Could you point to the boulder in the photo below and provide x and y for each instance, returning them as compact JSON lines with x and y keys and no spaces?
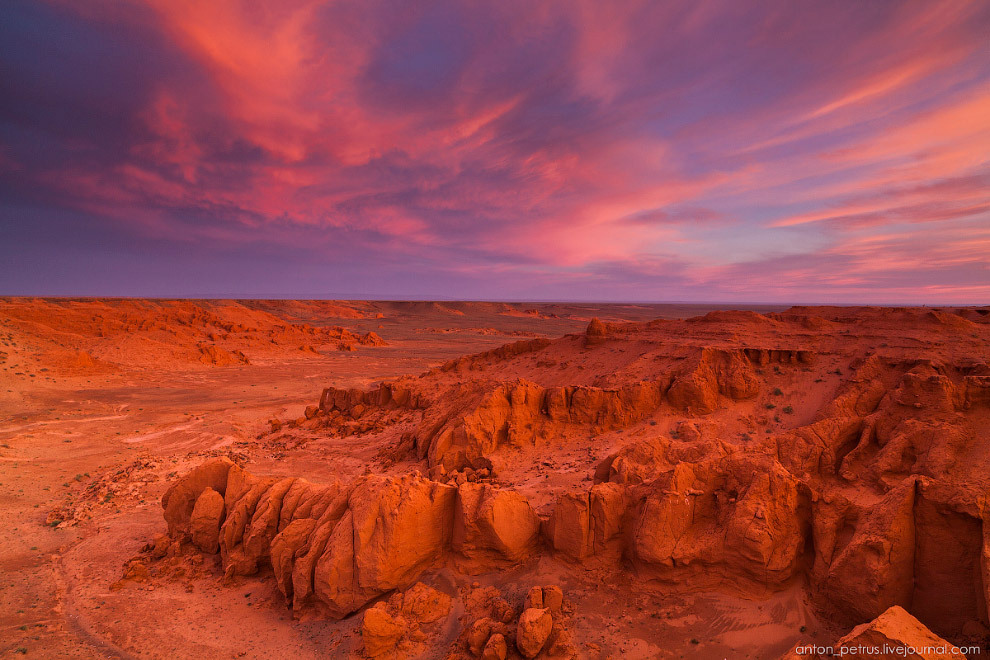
{"x":533,"y":631}
{"x":553,"y":598}
{"x":534,"y":599}
{"x":496,"y":648}
{"x":478,"y":635}
{"x":380,"y":632}
{"x":424,"y":604}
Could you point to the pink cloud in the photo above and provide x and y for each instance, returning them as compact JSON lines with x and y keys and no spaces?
{"x":715,"y":139}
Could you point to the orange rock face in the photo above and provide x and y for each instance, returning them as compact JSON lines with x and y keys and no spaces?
{"x":842,"y":452}
{"x":205,"y":520}
{"x":337,"y":547}
{"x":896,"y":634}
{"x":180,"y":499}
{"x":491,"y":524}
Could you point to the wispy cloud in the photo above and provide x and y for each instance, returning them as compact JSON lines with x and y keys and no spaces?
{"x":631,"y":150}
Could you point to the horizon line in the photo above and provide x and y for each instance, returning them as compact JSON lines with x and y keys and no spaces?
{"x":543,"y":301}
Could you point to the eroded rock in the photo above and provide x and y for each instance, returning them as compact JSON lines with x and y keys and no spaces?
{"x":205,"y":519}
{"x":533,"y":631}
{"x":895,"y":635}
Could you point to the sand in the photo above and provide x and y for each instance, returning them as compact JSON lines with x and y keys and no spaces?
{"x":105,"y":403}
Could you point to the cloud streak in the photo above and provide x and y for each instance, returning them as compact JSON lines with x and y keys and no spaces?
{"x":634,"y":151}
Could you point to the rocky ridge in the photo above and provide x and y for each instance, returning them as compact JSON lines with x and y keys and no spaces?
{"x":844,"y":450}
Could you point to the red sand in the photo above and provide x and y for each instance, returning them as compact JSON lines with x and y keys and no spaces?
{"x":729,"y":485}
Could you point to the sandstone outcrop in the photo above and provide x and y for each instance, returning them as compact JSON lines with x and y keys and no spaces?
{"x":524,"y":414}
{"x":495,"y":648}
{"x":335,"y":547}
{"x":735,"y":452}
{"x":744,"y":518}
{"x":636,"y":463}
{"x":895,"y":634}
{"x":596,"y":333}
{"x":387,"y":395}
{"x":215,"y":355}
{"x":390,"y":533}
{"x":399,"y":626}
{"x":492,"y":524}
{"x":589,"y":524}
{"x":380,"y":632}
{"x":479,"y":360}
{"x":205,"y":521}
{"x":715,"y":372}
{"x":371,"y":339}
{"x":875,"y":568}
{"x":180,"y":498}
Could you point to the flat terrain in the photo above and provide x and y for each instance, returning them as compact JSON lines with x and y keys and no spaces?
{"x":106,"y":403}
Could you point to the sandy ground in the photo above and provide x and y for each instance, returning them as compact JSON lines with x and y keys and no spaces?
{"x":87,"y":451}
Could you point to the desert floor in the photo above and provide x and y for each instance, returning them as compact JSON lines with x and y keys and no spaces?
{"x":104,"y":403}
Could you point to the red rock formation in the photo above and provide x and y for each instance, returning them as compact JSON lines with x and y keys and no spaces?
{"x":635,"y":463}
{"x":589,"y":524}
{"x":874,"y":569}
{"x":596,"y":333}
{"x":391,"y":532}
{"x":894,"y":635}
{"x":525,"y":413}
{"x":220,"y":357}
{"x":533,"y":631}
{"x":715,"y":372}
{"x":470,"y":362}
{"x":492,"y":525}
{"x":783,"y":450}
{"x":371,"y":339}
{"x":339,"y":548}
{"x":397,"y":627}
{"x":738,"y":518}
{"x":205,"y":520}
{"x":180,"y":498}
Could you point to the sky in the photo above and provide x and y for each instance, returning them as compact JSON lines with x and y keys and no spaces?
{"x":715,"y":150}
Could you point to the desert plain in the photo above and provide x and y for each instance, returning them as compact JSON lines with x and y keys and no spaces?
{"x":324,"y":479}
